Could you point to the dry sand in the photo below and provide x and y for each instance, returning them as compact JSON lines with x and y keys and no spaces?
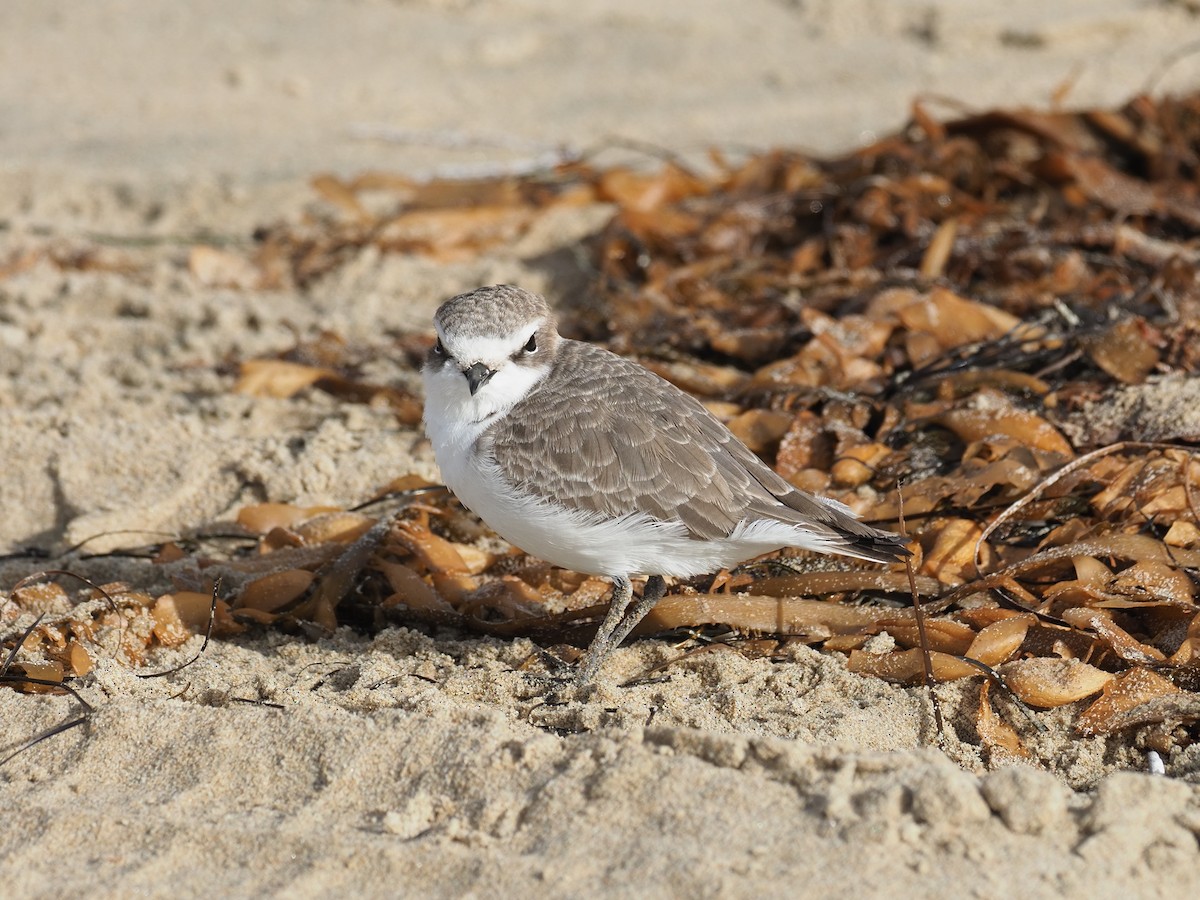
{"x":417,"y":764}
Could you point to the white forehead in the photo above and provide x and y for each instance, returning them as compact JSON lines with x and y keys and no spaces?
{"x":474,"y":347}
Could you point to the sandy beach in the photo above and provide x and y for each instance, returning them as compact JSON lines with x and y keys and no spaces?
{"x":427,"y":762}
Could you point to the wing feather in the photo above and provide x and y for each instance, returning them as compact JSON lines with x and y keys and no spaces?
{"x":605,"y":435}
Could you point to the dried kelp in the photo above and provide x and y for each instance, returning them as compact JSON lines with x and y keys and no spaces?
{"x":978,"y":309}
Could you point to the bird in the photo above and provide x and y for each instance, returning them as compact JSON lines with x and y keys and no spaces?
{"x":593,"y":463}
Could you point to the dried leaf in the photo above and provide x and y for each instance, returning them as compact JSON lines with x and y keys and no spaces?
{"x":273,"y":592}
{"x":858,"y":465}
{"x":1182,"y":534}
{"x":409,"y":589}
{"x":341,"y":195}
{"x":1155,"y":582}
{"x":192,"y":609}
{"x":1028,"y":429}
{"x":701,"y":379}
{"x":220,"y":268}
{"x":277,"y":378}
{"x":994,"y":733}
{"x":760,"y":429}
{"x":450,"y":235}
{"x":941,"y":634}
{"x":44,"y":598}
{"x":1123,"y":644}
{"x":79,"y":660}
{"x":262,"y":518}
{"x":333,"y":527}
{"x":1136,"y":698}
{"x":435,"y":553}
{"x":1048,"y":683}
{"x":1124,"y":351}
{"x":51,"y":671}
{"x":169,"y":627}
{"x":937,"y":254}
{"x":908,"y":666}
{"x":951,"y":559}
{"x":997,"y":642}
{"x":648,"y":192}
{"x":951,"y":320}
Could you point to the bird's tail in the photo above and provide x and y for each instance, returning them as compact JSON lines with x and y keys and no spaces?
{"x":849,"y":536}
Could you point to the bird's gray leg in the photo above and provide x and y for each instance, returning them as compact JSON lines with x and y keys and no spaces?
{"x":653,"y":592}
{"x":602,"y":644}
{"x":618,"y":623}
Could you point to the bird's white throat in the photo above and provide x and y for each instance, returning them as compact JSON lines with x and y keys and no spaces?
{"x":455,"y":418}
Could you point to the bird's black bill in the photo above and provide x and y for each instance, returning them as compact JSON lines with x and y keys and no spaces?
{"x":477,"y":376}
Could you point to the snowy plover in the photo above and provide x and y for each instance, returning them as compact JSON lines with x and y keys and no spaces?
{"x":593,"y":463}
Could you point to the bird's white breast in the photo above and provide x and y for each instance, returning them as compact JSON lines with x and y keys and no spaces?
{"x":455,"y":419}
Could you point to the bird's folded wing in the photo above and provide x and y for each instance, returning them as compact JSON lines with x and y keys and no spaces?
{"x":604,"y":435}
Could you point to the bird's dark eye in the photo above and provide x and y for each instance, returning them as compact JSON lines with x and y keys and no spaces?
{"x":438,"y":348}
{"x":531,"y":344}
